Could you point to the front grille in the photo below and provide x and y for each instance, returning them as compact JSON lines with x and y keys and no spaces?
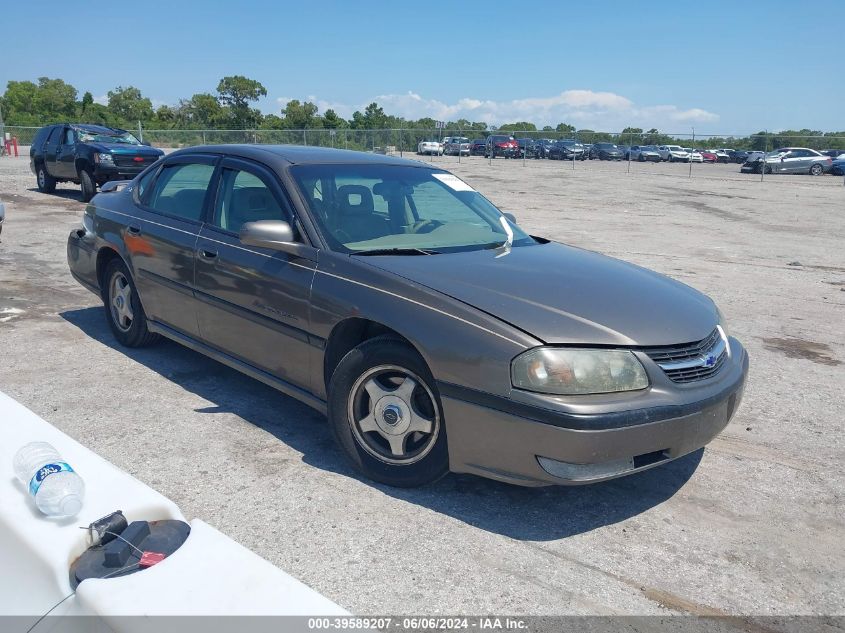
{"x":129,"y":161}
{"x":691,"y":361}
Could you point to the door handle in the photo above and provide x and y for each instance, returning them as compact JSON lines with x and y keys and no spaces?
{"x":206,"y":254}
{"x":134,"y":230}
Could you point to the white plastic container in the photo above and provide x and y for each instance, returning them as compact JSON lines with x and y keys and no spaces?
{"x":57,"y":489}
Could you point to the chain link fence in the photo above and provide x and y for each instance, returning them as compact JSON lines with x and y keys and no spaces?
{"x":406,"y":141}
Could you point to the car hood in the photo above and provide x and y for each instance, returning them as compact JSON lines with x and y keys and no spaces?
{"x":122,"y":148}
{"x":561,"y":294}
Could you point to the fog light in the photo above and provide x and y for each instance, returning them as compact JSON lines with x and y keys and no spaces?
{"x":586,"y":472}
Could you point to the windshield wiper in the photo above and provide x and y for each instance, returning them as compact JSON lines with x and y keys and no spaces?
{"x":398,"y":251}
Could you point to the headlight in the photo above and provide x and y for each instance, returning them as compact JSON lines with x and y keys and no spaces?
{"x":87,"y":223}
{"x":104,"y":158}
{"x":723,"y":329}
{"x":569,"y":371}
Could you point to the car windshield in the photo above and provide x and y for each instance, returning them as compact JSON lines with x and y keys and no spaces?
{"x":605,"y":145}
{"x":124,"y":138}
{"x":384,"y":208}
{"x":675,"y":148}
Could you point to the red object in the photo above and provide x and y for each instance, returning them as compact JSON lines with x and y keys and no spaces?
{"x":710,"y":157}
{"x":138,"y":159}
{"x":148,"y":559}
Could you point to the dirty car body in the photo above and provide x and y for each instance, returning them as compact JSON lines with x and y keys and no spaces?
{"x":434,"y":332}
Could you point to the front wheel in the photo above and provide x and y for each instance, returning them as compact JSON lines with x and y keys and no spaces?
{"x":46,"y":183}
{"x":89,"y":187}
{"x":386,"y":414}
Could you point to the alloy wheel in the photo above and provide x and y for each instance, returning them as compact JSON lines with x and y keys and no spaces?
{"x":393,"y":414}
{"x":120,"y":302}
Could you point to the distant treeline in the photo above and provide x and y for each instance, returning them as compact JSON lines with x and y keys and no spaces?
{"x":229,"y":112}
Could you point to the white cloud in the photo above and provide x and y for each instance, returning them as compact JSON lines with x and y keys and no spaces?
{"x":584,"y":108}
{"x":102,"y":99}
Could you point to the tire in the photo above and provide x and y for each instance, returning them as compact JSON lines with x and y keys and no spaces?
{"x":641,"y":158}
{"x":816,"y":170}
{"x":46,"y":183}
{"x":382,"y":367}
{"x":86,"y":181}
{"x":128,"y":326}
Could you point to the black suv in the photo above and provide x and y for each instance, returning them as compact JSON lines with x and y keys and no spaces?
{"x":89,"y":155}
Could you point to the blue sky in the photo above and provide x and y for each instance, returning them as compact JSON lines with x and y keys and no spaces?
{"x":723,"y":67}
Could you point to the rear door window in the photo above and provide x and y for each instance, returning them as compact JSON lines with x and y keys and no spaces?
{"x":180,"y":190}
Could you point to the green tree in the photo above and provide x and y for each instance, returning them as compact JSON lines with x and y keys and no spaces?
{"x":519,"y":126}
{"x":332,"y":121}
{"x":373,"y":118}
{"x":28,"y":103}
{"x":237,"y":92}
{"x":565,"y":128}
{"x":300,"y":116}
{"x":129,"y":105}
{"x":203,"y":110}
{"x":87,"y":102}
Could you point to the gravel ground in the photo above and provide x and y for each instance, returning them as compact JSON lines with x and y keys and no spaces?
{"x":751,"y":525}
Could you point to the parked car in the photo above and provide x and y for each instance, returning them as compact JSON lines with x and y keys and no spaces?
{"x":707,"y":156}
{"x":392,"y":297}
{"x":834,"y":153}
{"x":837,"y":167}
{"x":457,"y":145}
{"x":673,"y":153}
{"x":694,"y":155}
{"x":88,"y":155}
{"x":478,"y":147}
{"x":722,"y":156}
{"x":790,"y":160}
{"x":430,"y":148}
{"x":567,"y":150}
{"x":643,"y":153}
{"x":606,"y":151}
{"x":542,"y":147}
{"x":526,"y":147}
{"x":501,"y":145}
{"x":740,"y":156}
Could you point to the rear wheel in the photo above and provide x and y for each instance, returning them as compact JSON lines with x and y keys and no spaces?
{"x":46,"y":183}
{"x":125,"y":314}
{"x":816,"y":170}
{"x":386,"y":414}
{"x":89,"y":187}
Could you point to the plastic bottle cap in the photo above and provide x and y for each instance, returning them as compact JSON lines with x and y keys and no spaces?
{"x":71,"y":505}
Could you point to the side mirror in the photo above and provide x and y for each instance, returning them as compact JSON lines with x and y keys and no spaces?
{"x":147,"y":143}
{"x":273,"y":234}
{"x":511,"y":217}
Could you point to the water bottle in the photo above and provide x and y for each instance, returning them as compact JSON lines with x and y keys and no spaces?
{"x":57,"y":489}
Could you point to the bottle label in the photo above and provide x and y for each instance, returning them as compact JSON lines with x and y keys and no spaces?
{"x":45,"y":471}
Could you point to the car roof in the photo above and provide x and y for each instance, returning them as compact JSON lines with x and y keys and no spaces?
{"x":280,"y":155}
{"x":96,"y":129}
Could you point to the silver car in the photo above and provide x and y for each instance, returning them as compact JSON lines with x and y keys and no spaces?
{"x":795,"y":160}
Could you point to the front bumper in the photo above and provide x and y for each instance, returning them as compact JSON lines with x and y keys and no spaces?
{"x":538,"y":447}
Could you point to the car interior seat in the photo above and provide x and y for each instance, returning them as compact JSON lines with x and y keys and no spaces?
{"x":356,"y":219}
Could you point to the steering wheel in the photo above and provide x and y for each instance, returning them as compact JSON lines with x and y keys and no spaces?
{"x":429,"y":225}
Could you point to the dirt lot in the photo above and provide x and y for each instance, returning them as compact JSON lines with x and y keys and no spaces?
{"x":754,"y":525}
